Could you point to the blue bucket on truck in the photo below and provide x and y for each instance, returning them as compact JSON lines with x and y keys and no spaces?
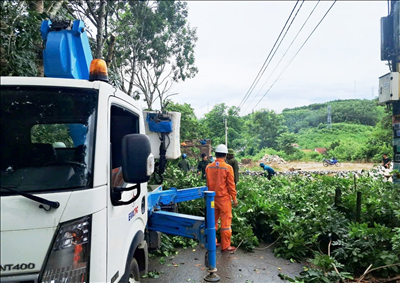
{"x":157,"y":125}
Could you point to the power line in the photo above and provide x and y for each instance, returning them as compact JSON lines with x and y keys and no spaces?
{"x":296,"y":53}
{"x":285,"y":53}
{"x":276,"y":49}
{"x":259,"y":72}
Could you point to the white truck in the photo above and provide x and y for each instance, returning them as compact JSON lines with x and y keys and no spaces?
{"x":75,"y":161}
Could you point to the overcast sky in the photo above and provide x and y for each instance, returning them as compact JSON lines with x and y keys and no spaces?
{"x":341,"y":60}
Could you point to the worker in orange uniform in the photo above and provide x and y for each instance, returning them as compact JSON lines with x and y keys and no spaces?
{"x":221,"y":180}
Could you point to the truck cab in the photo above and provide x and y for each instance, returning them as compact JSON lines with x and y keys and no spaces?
{"x":67,"y":215}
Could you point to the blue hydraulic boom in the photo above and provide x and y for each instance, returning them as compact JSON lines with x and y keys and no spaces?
{"x":67,"y":55}
{"x":195,"y":227}
{"x":67,"y":51}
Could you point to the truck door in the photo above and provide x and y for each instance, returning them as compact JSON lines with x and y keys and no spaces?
{"x":125,"y":222}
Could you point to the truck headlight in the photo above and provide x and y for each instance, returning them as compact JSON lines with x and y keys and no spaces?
{"x":68,"y":260}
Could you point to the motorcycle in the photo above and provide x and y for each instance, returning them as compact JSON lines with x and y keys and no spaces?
{"x":332,"y":162}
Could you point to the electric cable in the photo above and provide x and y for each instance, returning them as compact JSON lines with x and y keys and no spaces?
{"x":284,"y":53}
{"x":276,"y":49}
{"x":296,"y":53}
{"x":252,"y":85}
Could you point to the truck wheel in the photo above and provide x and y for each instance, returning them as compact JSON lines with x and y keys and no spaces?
{"x":134,"y":273}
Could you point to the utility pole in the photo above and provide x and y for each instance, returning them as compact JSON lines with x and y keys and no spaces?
{"x":389,"y":84}
{"x":226,"y":131}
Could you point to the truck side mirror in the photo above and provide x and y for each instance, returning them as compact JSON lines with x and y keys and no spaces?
{"x":137,"y":159}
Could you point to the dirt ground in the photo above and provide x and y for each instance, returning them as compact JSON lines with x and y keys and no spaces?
{"x":312,"y":166}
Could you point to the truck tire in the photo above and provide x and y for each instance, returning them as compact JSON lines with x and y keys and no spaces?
{"x":134,"y":273}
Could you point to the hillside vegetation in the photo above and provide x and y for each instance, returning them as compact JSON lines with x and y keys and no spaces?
{"x":360,"y":131}
{"x":352,"y":111}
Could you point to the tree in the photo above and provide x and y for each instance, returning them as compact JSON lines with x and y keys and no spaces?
{"x":235,"y":128}
{"x":285,"y":142}
{"x":98,"y":12}
{"x":169,"y":57}
{"x":214,"y":122}
{"x":20,"y":40}
{"x":149,"y":42}
{"x":381,"y":140}
{"x":266,"y":126}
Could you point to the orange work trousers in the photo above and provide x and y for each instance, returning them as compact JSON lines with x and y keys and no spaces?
{"x":223,"y":211}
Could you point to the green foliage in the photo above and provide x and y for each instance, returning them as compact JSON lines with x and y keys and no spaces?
{"x":298,"y":214}
{"x":313,"y":275}
{"x":175,"y":178}
{"x":169,"y":244}
{"x":161,"y":48}
{"x":355,"y":135}
{"x":396,"y":240}
{"x":381,"y":140}
{"x":264,"y":126}
{"x":334,"y":137}
{"x":50,"y":133}
{"x":214,"y":122}
{"x":361,"y":131}
{"x":161,"y":41}
{"x":20,"y":39}
{"x":351,"y":111}
{"x":285,"y":142}
{"x":362,"y":243}
{"x":152,"y":274}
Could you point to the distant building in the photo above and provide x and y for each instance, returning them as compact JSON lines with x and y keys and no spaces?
{"x":204,"y":145}
{"x":320,"y":150}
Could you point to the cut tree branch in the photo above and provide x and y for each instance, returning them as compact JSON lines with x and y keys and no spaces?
{"x":92,"y":12}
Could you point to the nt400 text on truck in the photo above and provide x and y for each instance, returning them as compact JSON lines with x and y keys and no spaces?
{"x":75,"y":161}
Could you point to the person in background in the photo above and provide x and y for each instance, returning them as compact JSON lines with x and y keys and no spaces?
{"x":184,"y":164}
{"x":211,"y":158}
{"x":271,"y":172}
{"x":201,"y":167}
{"x":230,"y":159}
{"x":386,"y":161}
{"x":221,"y":180}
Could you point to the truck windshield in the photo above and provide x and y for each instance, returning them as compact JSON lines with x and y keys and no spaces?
{"x":47,"y":138}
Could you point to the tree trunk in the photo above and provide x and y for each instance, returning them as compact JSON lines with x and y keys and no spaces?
{"x":100,"y":28}
{"x":36,"y":5}
{"x":55,"y":8}
{"x":132,"y":77}
{"x":111,"y":46}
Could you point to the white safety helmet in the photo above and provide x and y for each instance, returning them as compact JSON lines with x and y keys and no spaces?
{"x":221,"y":149}
{"x":59,"y":145}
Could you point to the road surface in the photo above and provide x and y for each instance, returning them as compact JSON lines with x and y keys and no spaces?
{"x":242,"y":267}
